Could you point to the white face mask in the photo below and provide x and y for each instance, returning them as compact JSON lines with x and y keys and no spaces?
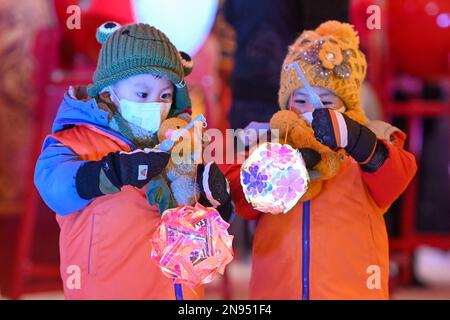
{"x":308,"y":116}
{"x":147,"y":115}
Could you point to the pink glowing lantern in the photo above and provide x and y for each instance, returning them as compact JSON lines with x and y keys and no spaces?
{"x":192,"y":245}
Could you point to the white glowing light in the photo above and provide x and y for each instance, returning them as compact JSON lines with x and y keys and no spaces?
{"x":186,"y":23}
{"x":443,"y":20}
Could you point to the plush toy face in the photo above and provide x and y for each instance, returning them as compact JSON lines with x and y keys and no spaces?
{"x":169,"y":127}
{"x":179,"y":171}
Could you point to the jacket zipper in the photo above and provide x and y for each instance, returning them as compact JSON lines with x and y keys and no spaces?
{"x":305,"y":249}
{"x":178,"y":291}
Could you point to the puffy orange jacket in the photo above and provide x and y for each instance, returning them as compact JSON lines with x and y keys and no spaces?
{"x":108,"y":241}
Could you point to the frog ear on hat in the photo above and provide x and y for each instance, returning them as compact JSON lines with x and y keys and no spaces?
{"x":187,"y":62}
{"x":105,"y":30}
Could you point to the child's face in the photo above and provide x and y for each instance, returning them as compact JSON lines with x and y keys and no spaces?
{"x":146,"y":88}
{"x":301,"y":102}
{"x":141,"y":90}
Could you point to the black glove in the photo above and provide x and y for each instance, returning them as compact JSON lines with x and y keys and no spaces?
{"x":338,"y":131}
{"x":214,"y":189}
{"x":311,"y":157}
{"x":117,"y":169}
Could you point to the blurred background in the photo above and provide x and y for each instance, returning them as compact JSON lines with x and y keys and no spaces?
{"x":238,"y":47}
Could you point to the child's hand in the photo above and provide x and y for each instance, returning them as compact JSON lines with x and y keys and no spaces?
{"x":311,"y":158}
{"x":138,"y":167}
{"x":338,"y":131}
{"x":118,"y":169}
{"x":214,"y":189}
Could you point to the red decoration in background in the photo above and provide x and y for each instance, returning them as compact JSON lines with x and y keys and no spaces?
{"x":419,"y":36}
{"x":92,"y":16}
{"x":418,"y":33}
{"x":359,"y":16}
{"x":414,"y":39}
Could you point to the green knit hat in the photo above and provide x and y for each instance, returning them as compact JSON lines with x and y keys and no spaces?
{"x":139,"y":49}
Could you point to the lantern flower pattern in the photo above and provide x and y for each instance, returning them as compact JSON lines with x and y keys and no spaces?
{"x":274,"y":178}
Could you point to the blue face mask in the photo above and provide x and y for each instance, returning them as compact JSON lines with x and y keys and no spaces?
{"x":147,"y":115}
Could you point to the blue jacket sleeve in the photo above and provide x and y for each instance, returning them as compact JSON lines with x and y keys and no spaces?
{"x":54,"y":177}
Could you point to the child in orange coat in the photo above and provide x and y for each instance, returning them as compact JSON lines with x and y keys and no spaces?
{"x":100,"y":173}
{"x":333,"y":244}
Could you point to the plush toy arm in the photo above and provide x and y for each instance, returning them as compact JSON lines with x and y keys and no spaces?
{"x":183,"y":190}
{"x":287,"y":120}
{"x":386,"y":131}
